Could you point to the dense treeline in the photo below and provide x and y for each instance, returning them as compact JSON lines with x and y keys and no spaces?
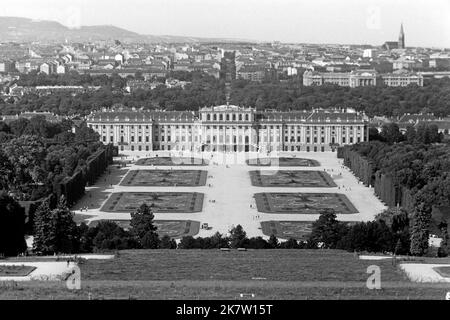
{"x":36,"y":155}
{"x":12,"y":226}
{"x":377,"y":100}
{"x":55,"y":232}
{"x":205,"y":90}
{"x":411,"y":173}
{"x":72,"y":78}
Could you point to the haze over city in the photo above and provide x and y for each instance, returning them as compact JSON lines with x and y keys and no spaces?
{"x":324,"y":21}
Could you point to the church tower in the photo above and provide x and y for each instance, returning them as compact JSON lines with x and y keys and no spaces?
{"x":401,"y":38}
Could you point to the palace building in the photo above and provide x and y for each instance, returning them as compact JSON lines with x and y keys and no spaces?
{"x":228,"y":128}
{"x":356,"y":78}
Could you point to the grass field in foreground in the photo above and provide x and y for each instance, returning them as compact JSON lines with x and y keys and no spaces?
{"x":443,"y":271}
{"x":15,"y":271}
{"x":213,"y":274}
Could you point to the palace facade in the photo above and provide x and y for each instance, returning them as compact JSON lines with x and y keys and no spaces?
{"x":229,"y":128}
{"x":356,"y":78}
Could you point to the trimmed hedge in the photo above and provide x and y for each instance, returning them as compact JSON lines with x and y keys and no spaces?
{"x":73,"y":187}
{"x":384,"y":185}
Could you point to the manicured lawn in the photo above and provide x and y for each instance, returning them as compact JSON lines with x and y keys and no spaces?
{"x":158,"y":201}
{"x":173,"y":228}
{"x":214,"y":274}
{"x":303,"y":203}
{"x":299,"y":230}
{"x":165,"y":178}
{"x":171,"y":161}
{"x":291,"y":178}
{"x":443,"y":271}
{"x":15,"y":270}
{"x":283,"y":162}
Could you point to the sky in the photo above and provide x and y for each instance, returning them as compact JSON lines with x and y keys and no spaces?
{"x":426,"y":22}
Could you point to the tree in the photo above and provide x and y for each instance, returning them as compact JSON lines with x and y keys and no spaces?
{"x":327,"y":229}
{"x":374,"y":134}
{"x":444,"y":247}
{"x":18,"y":126}
{"x":150,"y":240}
{"x":12,"y":226}
{"x":66,"y":232}
{"x":256,"y":243}
{"x":410,"y":134}
{"x":55,"y":231}
{"x":44,"y":235}
{"x":142,"y":226}
{"x":25,"y":153}
{"x":187,"y":242}
{"x":420,"y":230}
{"x":238,"y":237}
{"x":167,"y":243}
{"x":219,"y":241}
{"x":391,"y":133}
{"x":110,"y":236}
{"x":273,"y":242}
{"x":291,"y":243}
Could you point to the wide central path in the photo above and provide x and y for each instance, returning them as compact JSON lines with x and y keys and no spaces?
{"x":228,"y":193}
{"x":231,"y":195}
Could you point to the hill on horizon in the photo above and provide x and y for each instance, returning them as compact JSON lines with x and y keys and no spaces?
{"x":18,"y":29}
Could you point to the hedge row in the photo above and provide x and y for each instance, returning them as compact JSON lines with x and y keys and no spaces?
{"x":361,"y":166}
{"x":73,"y":187}
{"x":384,"y":185}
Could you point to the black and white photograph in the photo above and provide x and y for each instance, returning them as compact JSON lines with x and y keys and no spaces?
{"x":241,"y":152}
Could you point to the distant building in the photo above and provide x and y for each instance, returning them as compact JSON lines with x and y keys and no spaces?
{"x":133,"y":85}
{"x":7,"y":66}
{"x":356,"y":78}
{"x":400,"y":44}
{"x":61,"y":69}
{"x":401,"y":38}
{"x":48,"y":68}
{"x":439,"y":63}
{"x":229,"y":128}
{"x":402,"y":79}
{"x":228,"y":66}
{"x":51,"y":117}
{"x":368,"y":53}
{"x":406,"y":120}
{"x":435,"y":74}
{"x":251,"y":73}
{"x":403,"y":63}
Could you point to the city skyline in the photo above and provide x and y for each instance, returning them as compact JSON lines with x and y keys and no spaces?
{"x":341,"y":22}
